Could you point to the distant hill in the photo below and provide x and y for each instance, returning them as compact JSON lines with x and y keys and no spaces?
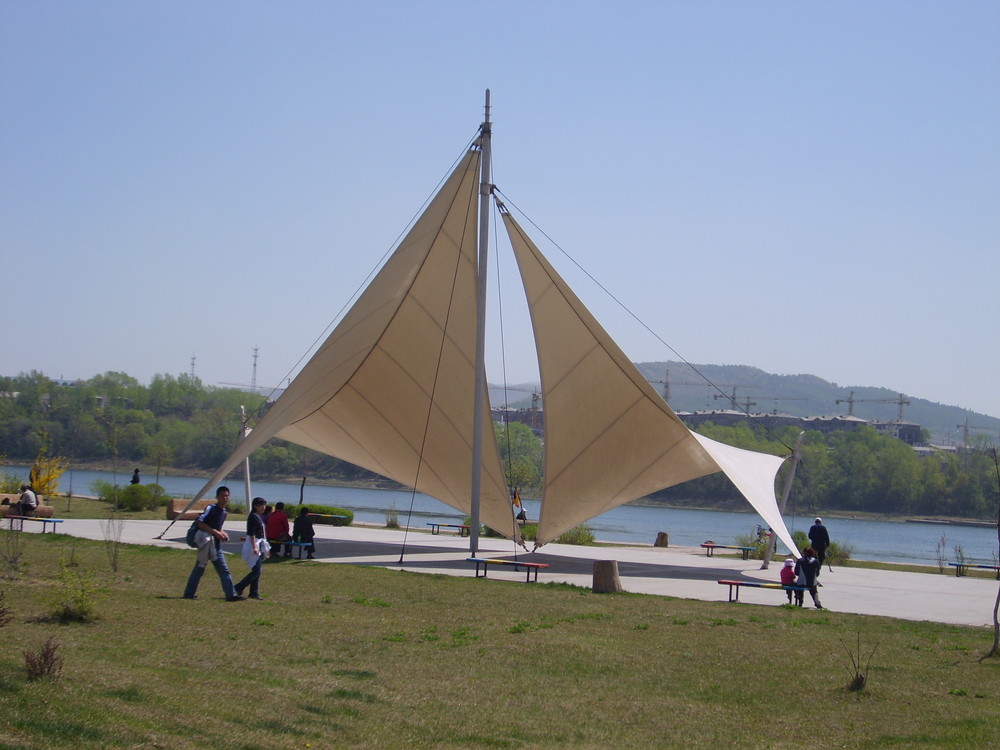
{"x":798,"y":395}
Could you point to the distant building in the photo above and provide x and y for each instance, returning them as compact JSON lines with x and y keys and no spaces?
{"x":908,"y":432}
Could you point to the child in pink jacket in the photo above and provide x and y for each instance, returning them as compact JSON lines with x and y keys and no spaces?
{"x":788,"y":576}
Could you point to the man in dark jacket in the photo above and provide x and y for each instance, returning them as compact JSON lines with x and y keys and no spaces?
{"x":209,"y":541}
{"x":303,"y":531}
{"x":807,"y":571}
{"x":820,"y":539}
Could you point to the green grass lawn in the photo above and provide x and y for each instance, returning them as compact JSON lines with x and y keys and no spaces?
{"x":356,"y":657}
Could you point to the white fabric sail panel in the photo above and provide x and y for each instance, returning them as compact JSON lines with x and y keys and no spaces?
{"x":609,"y":437}
{"x":392,"y":387}
{"x":753,"y":474}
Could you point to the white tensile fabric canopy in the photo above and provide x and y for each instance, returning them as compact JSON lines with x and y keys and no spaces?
{"x":392,"y":389}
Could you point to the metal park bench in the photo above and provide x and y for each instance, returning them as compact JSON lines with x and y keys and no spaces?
{"x":463,"y":530}
{"x":44,"y":521}
{"x":532,"y":568}
{"x":710,"y":548}
{"x":734,"y":586}
{"x":961,"y":568}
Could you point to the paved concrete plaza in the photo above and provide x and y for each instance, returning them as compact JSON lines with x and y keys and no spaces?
{"x":672,"y":571}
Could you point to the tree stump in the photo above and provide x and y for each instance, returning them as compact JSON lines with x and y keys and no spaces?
{"x":662,"y":539}
{"x":606,"y":580}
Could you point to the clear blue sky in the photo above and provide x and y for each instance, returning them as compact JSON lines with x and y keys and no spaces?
{"x":801,"y":187}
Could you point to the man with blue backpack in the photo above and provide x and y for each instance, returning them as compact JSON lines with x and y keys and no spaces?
{"x":208,"y":540}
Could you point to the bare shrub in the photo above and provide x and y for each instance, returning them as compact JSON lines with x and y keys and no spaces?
{"x":45,"y":662}
{"x":13,"y":548}
{"x":859,"y":673}
{"x":113,"y":527}
{"x":939,"y":549}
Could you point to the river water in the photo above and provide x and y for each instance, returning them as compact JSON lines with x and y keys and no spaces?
{"x":889,"y":541}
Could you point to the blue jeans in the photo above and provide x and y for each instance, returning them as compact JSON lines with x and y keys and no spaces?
{"x":220,"y":567}
{"x":252,"y":579}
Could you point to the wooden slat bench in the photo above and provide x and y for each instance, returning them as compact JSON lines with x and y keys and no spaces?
{"x":463,"y":530}
{"x":531,"y":567}
{"x":43,"y":521}
{"x":735,"y":586}
{"x":710,"y":548}
{"x":962,"y":568}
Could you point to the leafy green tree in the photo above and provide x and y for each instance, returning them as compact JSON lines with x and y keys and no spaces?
{"x":521,"y":455}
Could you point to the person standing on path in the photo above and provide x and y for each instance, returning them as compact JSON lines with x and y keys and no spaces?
{"x":255,"y":538}
{"x":209,"y":541}
{"x":806,"y":569}
{"x":820,"y":539}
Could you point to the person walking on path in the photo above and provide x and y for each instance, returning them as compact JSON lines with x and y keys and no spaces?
{"x":820,"y":539}
{"x":277,"y":527}
{"x":806,"y":569}
{"x":256,"y":543}
{"x":209,"y":541}
{"x":302,"y":530}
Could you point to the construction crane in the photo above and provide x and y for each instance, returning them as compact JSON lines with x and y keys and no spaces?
{"x":781,"y":398}
{"x":966,"y":427}
{"x":536,"y":400}
{"x":732,"y":398}
{"x":851,"y":401}
{"x":666,"y":384}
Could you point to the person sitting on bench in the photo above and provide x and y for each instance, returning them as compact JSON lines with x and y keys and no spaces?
{"x":788,"y":576}
{"x":303,"y":530}
{"x":277,"y":528}
{"x":28,"y":502}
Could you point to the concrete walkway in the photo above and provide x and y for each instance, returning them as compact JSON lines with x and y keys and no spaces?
{"x":675,"y":571}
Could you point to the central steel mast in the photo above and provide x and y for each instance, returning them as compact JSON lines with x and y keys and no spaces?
{"x":485,"y":188}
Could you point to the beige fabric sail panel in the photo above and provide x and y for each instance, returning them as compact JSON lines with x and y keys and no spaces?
{"x":609,"y":438}
{"x":392,"y":387}
{"x":753,"y":474}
